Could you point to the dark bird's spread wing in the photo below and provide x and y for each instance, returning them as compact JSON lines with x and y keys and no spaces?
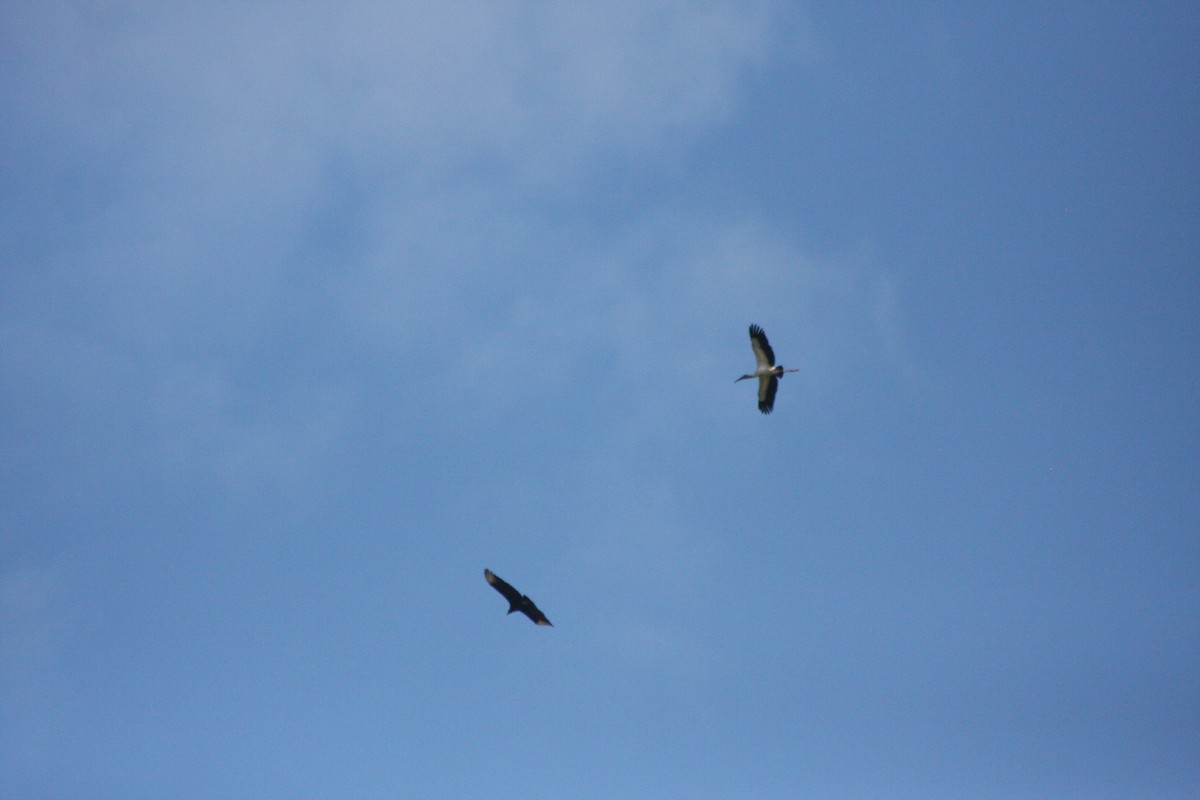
{"x":767,"y":387}
{"x":762,"y":348}
{"x":500,"y":585}
{"x":516,"y":600}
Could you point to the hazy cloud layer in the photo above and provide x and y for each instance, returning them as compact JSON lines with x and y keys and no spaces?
{"x":254,"y":174}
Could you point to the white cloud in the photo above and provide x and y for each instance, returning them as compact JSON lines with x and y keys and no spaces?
{"x":187,"y":148}
{"x":254,"y":97}
{"x":200,"y":157}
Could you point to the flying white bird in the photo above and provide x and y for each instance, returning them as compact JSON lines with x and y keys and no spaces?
{"x":767,"y":373}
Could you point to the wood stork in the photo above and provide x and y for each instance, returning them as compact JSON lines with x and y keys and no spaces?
{"x":767,"y":373}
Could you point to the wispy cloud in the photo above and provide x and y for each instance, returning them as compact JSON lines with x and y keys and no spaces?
{"x":194,"y":159}
{"x":251,"y":196}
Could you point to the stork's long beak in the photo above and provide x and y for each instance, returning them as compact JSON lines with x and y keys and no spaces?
{"x":744,"y":377}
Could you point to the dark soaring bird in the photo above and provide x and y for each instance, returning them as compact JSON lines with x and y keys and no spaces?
{"x":516,"y":600}
{"x":767,"y":373}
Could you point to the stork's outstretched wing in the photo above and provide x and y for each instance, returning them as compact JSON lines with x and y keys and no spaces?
{"x":763,"y":353}
{"x":767,"y":387}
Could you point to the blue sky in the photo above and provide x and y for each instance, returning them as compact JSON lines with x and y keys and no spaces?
{"x":310,"y":313}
